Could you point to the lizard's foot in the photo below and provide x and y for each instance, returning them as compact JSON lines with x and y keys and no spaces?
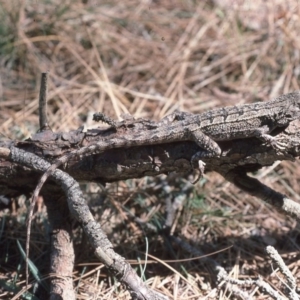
{"x":100,"y":117}
{"x":280,"y":146}
{"x":199,"y":165}
{"x":276,"y":143}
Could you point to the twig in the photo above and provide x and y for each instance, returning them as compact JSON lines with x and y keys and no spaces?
{"x":43,"y":103}
{"x":43,"y":126}
{"x":291,"y":281}
{"x":255,"y":188}
{"x":258,"y":282}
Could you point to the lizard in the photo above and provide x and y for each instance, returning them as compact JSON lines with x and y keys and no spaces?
{"x":257,"y":119}
{"x":206,"y":129}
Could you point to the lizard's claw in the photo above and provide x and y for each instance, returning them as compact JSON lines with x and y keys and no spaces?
{"x":280,"y":146}
{"x":199,"y":165}
{"x":277,"y":143}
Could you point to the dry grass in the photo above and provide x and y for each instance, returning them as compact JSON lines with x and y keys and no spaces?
{"x":148,"y":58}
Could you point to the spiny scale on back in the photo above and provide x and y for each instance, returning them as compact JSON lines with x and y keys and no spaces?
{"x":240,"y":121}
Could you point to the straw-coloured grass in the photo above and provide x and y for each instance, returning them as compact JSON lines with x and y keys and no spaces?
{"x":149,"y":58}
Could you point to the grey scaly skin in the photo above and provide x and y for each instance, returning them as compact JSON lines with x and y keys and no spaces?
{"x":228,"y":123}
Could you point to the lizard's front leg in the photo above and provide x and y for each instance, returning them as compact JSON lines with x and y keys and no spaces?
{"x":210,"y":149}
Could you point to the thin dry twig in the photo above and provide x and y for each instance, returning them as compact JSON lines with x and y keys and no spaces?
{"x":291,"y":281}
{"x":43,"y":102}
